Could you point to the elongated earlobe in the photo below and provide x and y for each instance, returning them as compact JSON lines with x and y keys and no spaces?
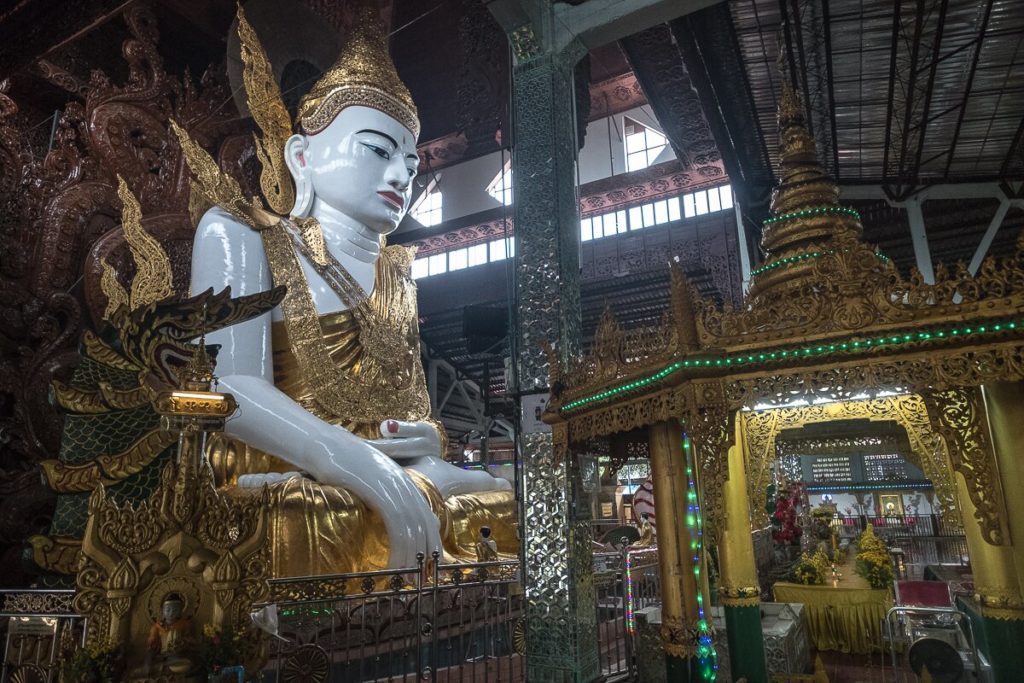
{"x":294,"y":155}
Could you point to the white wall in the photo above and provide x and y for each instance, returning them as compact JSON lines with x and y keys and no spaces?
{"x":464,"y":186}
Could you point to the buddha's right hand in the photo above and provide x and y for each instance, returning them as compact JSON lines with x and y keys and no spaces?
{"x":387,"y":489}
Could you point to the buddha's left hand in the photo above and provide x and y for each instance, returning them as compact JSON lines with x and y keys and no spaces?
{"x":404,"y":440}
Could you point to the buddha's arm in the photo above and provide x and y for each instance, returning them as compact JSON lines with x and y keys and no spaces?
{"x":227,"y":253}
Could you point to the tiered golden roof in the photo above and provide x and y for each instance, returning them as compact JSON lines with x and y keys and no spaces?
{"x":806,"y":218}
{"x":364,"y":75}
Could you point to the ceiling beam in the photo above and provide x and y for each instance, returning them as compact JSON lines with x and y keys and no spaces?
{"x":712,"y":59}
{"x":978,"y":46}
{"x":658,"y":65}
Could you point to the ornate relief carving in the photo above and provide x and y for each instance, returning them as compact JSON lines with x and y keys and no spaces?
{"x":55,"y":211}
{"x":957,"y":413}
{"x":762,"y":428}
{"x":739,"y":596}
{"x":133,"y":557}
{"x":658,"y":66}
{"x":711,"y":431}
{"x":677,"y":638}
{"x":666,"y":179}
{"x":615,"y":95}
{"x":442,"y":152}
{"x":464,"y":237}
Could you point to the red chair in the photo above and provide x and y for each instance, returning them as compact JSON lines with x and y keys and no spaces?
{"x":923,"y":594}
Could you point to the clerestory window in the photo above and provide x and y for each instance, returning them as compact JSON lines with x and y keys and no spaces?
{"x":643,"y":144}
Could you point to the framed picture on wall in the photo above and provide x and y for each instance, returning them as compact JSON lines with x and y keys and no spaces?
{"x":891,"y":504}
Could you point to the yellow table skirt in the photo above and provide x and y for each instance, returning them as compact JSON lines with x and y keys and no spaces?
{"x":843,"y":619}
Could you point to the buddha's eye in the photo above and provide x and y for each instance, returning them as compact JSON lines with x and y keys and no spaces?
{"x":379,"y":151}
{"x":412,"y":172}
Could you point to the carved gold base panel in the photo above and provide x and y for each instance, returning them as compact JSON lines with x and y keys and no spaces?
{"x":1000,"y":602}
{"x":742,"y":596}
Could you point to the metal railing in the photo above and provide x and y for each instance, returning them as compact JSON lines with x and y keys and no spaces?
{"x":36,"y":627}
{"x":624,"y":583}
{"x":896,"y":525}
{"x":431,"y":622}
{"x":448,"y":623}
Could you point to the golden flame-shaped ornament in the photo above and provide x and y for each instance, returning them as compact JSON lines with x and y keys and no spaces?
{"x":268,"y":111}
{"x":153,"y":280}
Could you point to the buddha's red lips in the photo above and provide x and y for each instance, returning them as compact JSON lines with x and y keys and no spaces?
{"x":393,"y":199}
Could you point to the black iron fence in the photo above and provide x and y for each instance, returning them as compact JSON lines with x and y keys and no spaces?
{"x":451,"y":623}
{"x":896,"y":525}
{"x":624,"y":582}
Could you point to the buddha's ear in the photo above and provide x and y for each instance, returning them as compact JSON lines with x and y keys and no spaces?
{"x":298,"y":165}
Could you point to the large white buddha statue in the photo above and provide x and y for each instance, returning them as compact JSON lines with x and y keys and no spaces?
{"x":333,"y":408}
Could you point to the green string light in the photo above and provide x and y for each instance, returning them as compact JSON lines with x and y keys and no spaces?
{"x":707,"y":656}
{"x":801,"y":257}
{"x":816,"y":211}
{"x":850,"y":346}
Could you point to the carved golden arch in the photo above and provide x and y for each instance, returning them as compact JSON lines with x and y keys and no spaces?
{"x":927,"y":449}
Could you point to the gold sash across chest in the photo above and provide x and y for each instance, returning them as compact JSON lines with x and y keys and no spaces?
{"x":356,"y":386}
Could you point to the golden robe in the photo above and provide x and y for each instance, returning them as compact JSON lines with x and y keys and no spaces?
{"x":318,"y":529}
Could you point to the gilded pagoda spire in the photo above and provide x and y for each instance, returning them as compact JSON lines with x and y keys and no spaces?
{"x":806,"y":217}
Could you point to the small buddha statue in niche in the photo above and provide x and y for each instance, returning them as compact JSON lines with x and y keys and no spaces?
{"x":333,"y":407}
{"x":168,"y":641}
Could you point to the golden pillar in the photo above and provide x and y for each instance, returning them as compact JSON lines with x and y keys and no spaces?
{"x":679,"y":583}
{"x":982,"y":438}
{"x":1004,"y":404}
{"x":738,"y":586}
{"x":738,"y":589}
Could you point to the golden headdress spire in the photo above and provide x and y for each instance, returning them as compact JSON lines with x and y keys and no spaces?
{"x":364,"y":75}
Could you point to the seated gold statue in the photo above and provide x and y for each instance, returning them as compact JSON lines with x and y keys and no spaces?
{"x":333,"y":408}
{"x":168,"y":642}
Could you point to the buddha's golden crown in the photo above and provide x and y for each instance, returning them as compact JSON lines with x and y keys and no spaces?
{"x":364,"y":75}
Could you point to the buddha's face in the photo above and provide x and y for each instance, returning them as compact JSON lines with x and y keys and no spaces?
{"x":171,"y":611}
{"x":362,"y":164}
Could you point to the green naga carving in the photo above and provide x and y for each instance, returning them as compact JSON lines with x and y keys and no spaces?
{"x":112,"y":434}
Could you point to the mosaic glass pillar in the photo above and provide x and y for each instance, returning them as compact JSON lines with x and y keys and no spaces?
{"x":561,"y":618}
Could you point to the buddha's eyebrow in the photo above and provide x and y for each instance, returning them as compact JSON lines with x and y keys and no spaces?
{"x":383,"y":135}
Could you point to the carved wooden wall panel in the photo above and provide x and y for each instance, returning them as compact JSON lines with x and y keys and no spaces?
{"x":59,"y":217}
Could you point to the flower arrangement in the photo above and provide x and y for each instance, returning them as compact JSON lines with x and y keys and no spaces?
{"x":822,"y":563}
{"x":217,"y":649}
{"x":786,"y":528}
{"x":873,"y":561}
{"x":93,"y":664}
{"x":805,"y":571}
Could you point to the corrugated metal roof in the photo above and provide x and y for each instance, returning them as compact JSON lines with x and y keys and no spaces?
{"x":960,"y":63}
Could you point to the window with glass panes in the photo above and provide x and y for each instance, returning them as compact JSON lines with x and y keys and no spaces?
{"x":643,"y":144}
{"x":501,"y":187}
{"x":656,"y":213}
{"x":428,"y":208}
{"x":464,"y":257}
